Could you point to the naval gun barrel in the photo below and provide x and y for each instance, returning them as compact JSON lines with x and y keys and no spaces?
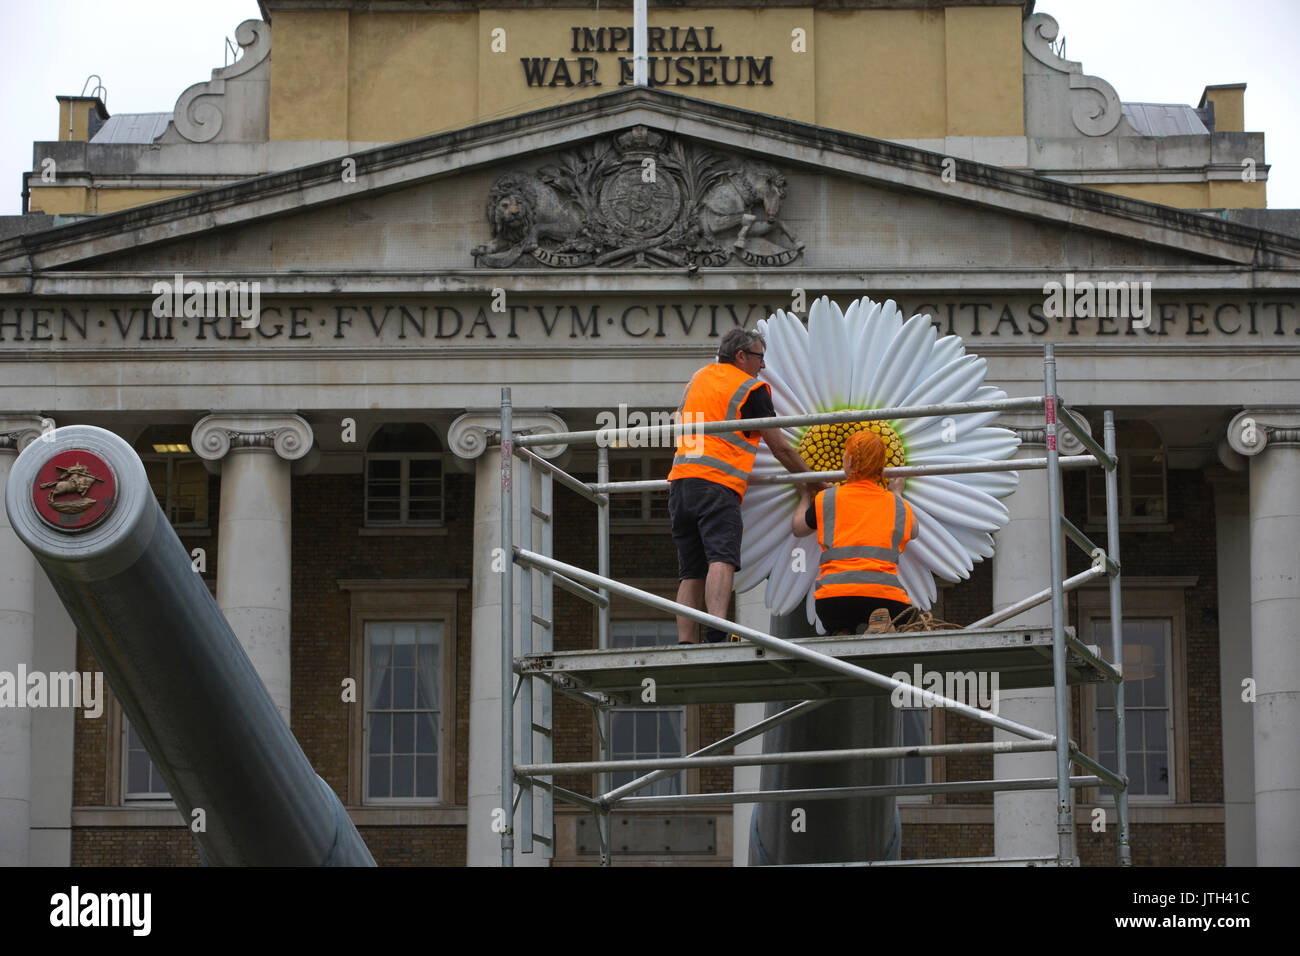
{"x":80,"y":500}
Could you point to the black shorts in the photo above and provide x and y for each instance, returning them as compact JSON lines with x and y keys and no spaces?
{"x":851,"y":613}
{"x":706,"y":525}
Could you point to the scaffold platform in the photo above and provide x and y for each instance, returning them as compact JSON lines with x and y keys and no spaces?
{"x":744,"y":673}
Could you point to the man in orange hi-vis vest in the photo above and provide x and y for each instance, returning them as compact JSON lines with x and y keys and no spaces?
{"x":710,"y":474}
{"x":862,"y":528}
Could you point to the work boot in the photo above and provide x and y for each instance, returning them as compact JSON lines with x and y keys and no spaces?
{"x":714,"y":636}
{"x":880,"y":622}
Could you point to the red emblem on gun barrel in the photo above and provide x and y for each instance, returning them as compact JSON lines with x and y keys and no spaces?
{"x":74,"y":490}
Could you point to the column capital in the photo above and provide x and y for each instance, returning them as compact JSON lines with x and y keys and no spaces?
{"x":17,"y":431}
{"x":287,"y":434}
{"x":470,"y":433}
{"x":1031,"y":429}
{"x":1253,"y":429}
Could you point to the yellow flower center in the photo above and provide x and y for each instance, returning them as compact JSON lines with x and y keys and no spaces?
{"x":822,"y":446}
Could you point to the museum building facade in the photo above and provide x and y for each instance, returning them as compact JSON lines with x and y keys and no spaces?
{"x":299,"y":295}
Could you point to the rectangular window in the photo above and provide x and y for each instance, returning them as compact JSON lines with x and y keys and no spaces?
{"x":1147,"y":707}
{"x":404,"y":489}
{"x":643,"y":733}
{"x":644,"y":506}
{"x":1140,"y":484}
{"x":181,"y":487}
{"x":142,"y":781}
{"x":403,"y":717}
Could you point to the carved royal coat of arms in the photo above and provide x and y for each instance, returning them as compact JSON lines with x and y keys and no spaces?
{"x":641,"y":199}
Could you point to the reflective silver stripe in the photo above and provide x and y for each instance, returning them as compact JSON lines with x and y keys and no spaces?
{"x":900,"y":519}
{"x":860,"y":577}
{"x":733,"y":407}
{"x":848,"y":553}
{"x":828,"y":518}
{"x":722,"y":466}
{"x":732,"y":438}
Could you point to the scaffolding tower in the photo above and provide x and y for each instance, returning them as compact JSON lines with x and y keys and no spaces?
{"x":766,"y":668}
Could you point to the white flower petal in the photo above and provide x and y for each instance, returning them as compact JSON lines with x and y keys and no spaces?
{"x":907,"y":355}
{"x":954,"y":503}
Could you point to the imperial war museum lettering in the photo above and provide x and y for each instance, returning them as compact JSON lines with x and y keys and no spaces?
{"x":676,"y":56}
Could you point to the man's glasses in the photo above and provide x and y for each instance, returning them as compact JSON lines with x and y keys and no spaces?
{"x":757,"y":355}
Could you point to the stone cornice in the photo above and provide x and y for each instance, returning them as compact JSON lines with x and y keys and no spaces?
{"x":471,"y":433}
{"x":1254,"y":429}
{"x":19,"y":431}
{"x":288,"y":435}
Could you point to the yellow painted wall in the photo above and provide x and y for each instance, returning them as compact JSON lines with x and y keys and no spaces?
{"x":1226,"y":194}
{"x":79,"y":199}
{"x":1229,"y":107}
{"x":309,"y":76}
{"x":898,"y":74}
{"x":411,"y":75}
{"x":882,"y":73}
{"x":985,"y":71}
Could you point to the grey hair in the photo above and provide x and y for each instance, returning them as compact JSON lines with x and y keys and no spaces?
{"x":735,"y":341}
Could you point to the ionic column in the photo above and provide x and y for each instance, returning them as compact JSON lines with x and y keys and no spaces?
{"x":254,"y":533}
{"x":1270,"y":439}
{"x":1024,"y":822}
{"x":468,"y":437}
{"x":17,"y":626}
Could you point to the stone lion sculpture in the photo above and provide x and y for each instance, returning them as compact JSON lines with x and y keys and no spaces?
{"x":522,"y":209}
{"x":749,"y":197}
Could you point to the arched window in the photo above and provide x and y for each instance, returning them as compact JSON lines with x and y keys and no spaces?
{"x":404,"y":476}
{"x":1142,"y":494}
{"x":177,"y":476}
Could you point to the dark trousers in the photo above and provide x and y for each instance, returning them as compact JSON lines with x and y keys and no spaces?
{"x":851,"y":613}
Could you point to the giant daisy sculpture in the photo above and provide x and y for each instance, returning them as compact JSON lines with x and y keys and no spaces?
{"x":865,"y":358}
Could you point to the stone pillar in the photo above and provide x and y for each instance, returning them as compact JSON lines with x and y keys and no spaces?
{"x":18,"y":572}
{"x":1270,"y":438}
{"x":1024,"y":822}
{"x":254,"y":560}
{"x":468,"y":437}
{"x":1232,"y":562}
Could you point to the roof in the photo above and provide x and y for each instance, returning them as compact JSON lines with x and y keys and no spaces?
{"x":132,"y":128}
{"x":1164,"y":119}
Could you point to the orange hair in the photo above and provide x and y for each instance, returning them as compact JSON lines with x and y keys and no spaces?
{"x":866,"y":456}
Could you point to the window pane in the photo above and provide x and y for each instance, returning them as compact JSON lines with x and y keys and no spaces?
{"x":190,"y":492}
{"x":404,"y":687}
{"x":403,"y":733}
{"x":381,"y":733}
{"x":1157,"y":774}
{"x":403,"y":776}
{"x":621,"y":727}
{"x":1153,"y":723}
{"x":426,"y":734}
{"x":379,"y":783}
{"x":426,"y":776}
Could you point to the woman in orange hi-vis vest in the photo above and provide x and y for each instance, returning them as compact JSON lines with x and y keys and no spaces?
{"x":711,"y":472}
{"x":862,"y":528}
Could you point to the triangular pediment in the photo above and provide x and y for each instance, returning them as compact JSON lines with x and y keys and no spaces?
{"x":651,"y":181}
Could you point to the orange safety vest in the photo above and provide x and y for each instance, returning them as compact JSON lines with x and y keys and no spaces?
{"x":862,"y":529}
{"x":715,"y":394}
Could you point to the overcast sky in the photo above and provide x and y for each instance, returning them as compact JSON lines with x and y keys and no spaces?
{"x":148,"y":51}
